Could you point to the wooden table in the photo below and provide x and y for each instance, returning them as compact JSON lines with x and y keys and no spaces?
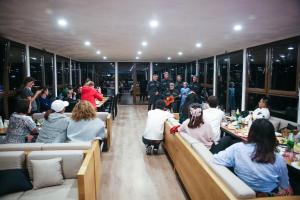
{"x":101,"y":103}
{"x":3,"y":131}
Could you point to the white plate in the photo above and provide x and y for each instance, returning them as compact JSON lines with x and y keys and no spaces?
{"x":294,"y":164}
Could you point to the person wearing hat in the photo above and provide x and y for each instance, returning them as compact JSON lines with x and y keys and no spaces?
{"x":54,"y":129}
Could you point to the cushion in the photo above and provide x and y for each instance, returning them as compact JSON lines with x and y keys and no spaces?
{"x":12,"y":196}
{"x":67,"y":146}
{"x":189,"y":139}
{"x":71,"y":160}
{"x":14,"y":180}
{"x":67,"y":191}
{"x":21,"y":147}
{"x":46,"y":172}
{"x":284,"y":123}
{"x":203,"y":152}
{"x":12,"y":160}
{"x":275,"y":122}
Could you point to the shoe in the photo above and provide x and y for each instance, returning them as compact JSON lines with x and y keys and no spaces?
{"x":148,"y":150}
{"x":155,"y":151}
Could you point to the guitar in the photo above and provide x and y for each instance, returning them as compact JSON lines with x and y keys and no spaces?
{"x":169,"y":100}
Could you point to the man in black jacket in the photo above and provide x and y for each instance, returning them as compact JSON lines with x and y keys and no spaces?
{"x":165,"y":83}
{"x":153,"y":89}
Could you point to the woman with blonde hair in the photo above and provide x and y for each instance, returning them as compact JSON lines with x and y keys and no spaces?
{"x":84,"y":125}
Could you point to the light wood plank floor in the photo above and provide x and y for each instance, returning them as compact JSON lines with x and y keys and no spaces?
{"x":130,"y":174}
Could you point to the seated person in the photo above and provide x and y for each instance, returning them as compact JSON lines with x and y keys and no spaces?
{"x":256,"y":162}
{"x":214,"y":116}
{"x":20,"y":125}
{"x":262,"y":111}
{"x":195,"y":127}
{"x":54,"y":128}
{"x":153,"y":134}
{"x":44,"y":101}
{"x":171,"y":97}
{"x":84,"y":124}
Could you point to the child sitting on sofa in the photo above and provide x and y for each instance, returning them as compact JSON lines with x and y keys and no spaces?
{"x":153,"y":134}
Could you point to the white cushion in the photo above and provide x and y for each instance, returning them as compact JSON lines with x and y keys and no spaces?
{"x":189,"y":139}
{"x":21,"y":147}
{"x":203,"y":152}
{"x":47,"y":173}
{"x":12,"y":160}
{"x":67,"y":146}
{"x":13,"y":196}
{"x":275,"y":122}
{"x":67,"y":191}
{"x":71,"y":160}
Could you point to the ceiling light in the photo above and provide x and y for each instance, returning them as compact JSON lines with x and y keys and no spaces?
{"x":291,"y":48}
{"x":252,"y":60}
{"x":62,"y":22}
{"x":137,"y":57}
{"x":169,"y":58}
{"x":33,"y":58}
{"x":104,"y":57}
{"x":237,"y":27}
{"x":87,"y":43}
{"x":249,"y":55}
{"x":282,"y":56}
{"x":144,"y":43}
{"x":153,"y":23}
{"x":139,"y":52}
{"x":98,"y":52}
{"x":180,"y":53}
{"x":277,"y":60}
{"x":198,"y":45}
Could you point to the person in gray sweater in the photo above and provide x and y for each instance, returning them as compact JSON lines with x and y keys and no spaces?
{"x":54,"y":129}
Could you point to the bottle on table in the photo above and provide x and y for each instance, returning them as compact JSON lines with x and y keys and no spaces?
{"x":290,"y":142}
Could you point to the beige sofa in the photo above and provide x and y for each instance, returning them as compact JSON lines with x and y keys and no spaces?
{"x":279,"y":123}
{"x":81,"y":171}
{"x":202,"y":178}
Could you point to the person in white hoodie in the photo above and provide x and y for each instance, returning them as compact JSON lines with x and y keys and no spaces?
{"x":54,"y":129}
{"x":262,"y":111}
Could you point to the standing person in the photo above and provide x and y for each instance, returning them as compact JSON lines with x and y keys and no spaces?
{"x":44,"y":101}
{"x":184,"y":91}
{"x":257,"y":162}
{"x":195,"y":86}
{"x":214,"y":116}
{"x":143,"y":90}
{"x":171,"y":98}
{"x":89,"y":93}
{"x":154,"y":130}
{"x":165,"y":82}
{"x":178,"y":83}
{"x":20,"y":125}
{"x":54,"y":129}
{"x":153,"y":89}
{"x":231,"y":96}
{"x":26,"y":93}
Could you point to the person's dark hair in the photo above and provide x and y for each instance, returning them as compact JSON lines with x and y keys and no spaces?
{"x":22,"y":106}
{"x":212,"y":101}
{"x":27,"y":80}
{"x":266,"y":101}
{"x":46,"y":116}
{"x":44,"y":89}
{"x":195,"y":121}
{"x":160,"y":104}
{"x":262,"y":133}
{"x":191,"y":98}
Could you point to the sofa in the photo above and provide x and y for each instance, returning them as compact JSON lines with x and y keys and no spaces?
{"x":201,"y":178}
{"x":80,"y":168}
{"x":279,"y":123}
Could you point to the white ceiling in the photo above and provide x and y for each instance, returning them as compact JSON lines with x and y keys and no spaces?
{"x":117,"y":27}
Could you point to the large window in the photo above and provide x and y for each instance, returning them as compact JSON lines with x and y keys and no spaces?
{"x":257,"y":67}
{"x":191,"y":70}
{"x":222,"y":80}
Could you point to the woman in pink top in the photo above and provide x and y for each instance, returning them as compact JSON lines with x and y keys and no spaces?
{"x":89,"y":93}
{"x":195,"y":127}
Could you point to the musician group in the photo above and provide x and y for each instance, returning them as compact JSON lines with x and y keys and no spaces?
{"x":173,"y":93}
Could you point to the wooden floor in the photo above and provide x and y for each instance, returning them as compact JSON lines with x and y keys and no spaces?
{"x":130,"y":174}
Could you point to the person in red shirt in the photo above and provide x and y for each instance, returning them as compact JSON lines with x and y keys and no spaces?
{"x":89,"y":93}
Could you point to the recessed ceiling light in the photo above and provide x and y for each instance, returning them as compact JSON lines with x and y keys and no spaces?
{"x":282,"y":56}
{"x":277,"y":60}
{"x":180,"y":53}
{"x":98,"y":52}
{"x":252,"y":60}
{"x":87,"y":43}
{"x":104,"y":57}
{"x":137,"y":57}
{"x":153,"y":23}
{"x":169,"y":58}
{"x":144,"y":43}
{"x":139,"y":52}
{"x":62,"y":22}
{"x":291,"y":48}
{"x":237,"y":27}
{"x":198,"y":45}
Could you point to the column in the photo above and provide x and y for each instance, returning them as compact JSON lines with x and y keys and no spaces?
{"x":79,"y":74}
{"x":116,"y":79}
{"x":55,"y":75}
{"x":215,"y":77}
{"x":151,"y":70}
{"x":197,"y":68}
{"x":244,"y":85}
{"x":70,"y":64}
{"x":27,"y":60}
